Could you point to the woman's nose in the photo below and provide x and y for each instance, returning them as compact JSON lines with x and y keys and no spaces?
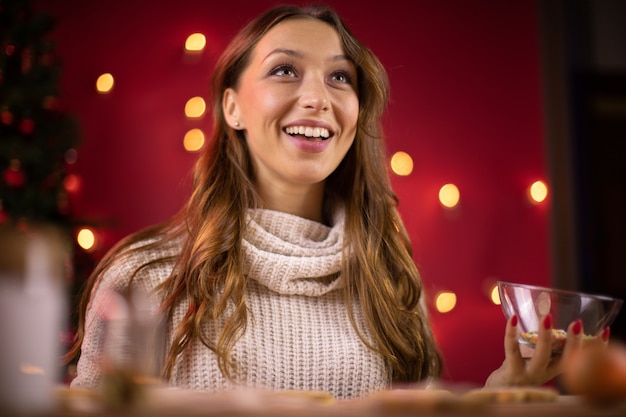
{"x":314,"y":95}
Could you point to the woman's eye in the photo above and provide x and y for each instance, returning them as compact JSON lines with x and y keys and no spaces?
{"x":342,"y":77}
{"x":284,"y":71}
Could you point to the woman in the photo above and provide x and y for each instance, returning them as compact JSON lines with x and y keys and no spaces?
{"x":289,"y":267}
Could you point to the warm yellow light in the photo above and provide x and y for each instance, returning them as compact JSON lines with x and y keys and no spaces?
{"x":495,"y":295}
{"x":195,"y":107}
{"x":195,"y":42}
{"x":445,"y":301}
{"x":449,"y":195}
{"x":86,"y":239}
{"x":194,"y":140}
{"x":402,"y":163}
{"x":105,"y":82}
{"x":538,"y":191}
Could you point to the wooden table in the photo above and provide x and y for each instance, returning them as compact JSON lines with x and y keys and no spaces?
{"x":181,"y":403}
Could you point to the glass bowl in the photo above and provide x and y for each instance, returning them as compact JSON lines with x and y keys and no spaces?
{"x":532,"y":303}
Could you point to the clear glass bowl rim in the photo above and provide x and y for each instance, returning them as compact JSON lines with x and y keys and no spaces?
{"x":559,"y":291}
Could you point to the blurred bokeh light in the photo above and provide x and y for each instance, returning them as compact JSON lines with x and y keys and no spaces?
{"x":104,"y":83}
{"x":86,"y":238}
{"x":194,"y":140}
{"x":445,"y":301}
{"x":495,"y":295}
{"x":195,"y":108}
{"x":449,"y":195}
{"x":538,"y":192}
{"x":401,"y":163}
{"x":195,"y":42}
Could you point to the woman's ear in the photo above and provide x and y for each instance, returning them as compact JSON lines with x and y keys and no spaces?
{"x":230,"y":107}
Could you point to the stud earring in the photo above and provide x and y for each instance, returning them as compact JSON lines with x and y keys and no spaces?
{"x":237,"y":125}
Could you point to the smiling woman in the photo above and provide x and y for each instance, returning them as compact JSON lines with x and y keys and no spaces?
{"x":289,"y":267}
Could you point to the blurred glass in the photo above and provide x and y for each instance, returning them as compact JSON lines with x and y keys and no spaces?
{"x":133,"y":351}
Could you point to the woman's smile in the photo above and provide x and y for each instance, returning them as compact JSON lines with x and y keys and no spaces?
{"x":310,"y":136}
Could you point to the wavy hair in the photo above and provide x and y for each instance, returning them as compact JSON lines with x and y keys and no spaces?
{"x":208,"y":273}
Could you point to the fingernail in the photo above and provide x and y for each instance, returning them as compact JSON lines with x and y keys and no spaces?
{"x":514,"y":320}
{"x":547,"y":322}
{"x":606,"y":333}
{"x":578,"y":327}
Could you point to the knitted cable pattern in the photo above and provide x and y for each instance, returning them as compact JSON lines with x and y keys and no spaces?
{"x":292,"y":255}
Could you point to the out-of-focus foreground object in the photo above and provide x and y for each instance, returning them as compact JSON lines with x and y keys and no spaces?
{"x":33,"y":312}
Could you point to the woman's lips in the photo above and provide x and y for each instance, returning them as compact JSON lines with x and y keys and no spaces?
{"x":309,"y":144}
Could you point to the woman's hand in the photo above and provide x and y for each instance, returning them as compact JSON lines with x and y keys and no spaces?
{"x":516,"y":370}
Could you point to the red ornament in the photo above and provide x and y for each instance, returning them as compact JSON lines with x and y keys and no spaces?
{"x":27,"y":126}
{"x":71,"y":183}
{"x":6,"y":117}
{"x":13,"y":177}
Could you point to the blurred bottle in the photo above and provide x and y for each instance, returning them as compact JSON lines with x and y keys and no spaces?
{"x":33,"y":313}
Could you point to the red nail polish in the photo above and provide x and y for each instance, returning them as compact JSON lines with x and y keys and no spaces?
{"x":606,"y":333}
{"x":514,"y":320}
{"x":577,"y":327}
{"x":547,"y":322}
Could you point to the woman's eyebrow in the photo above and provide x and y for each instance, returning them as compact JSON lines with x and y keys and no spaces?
{"x":289,"y":52}
{"x":296,"y":54}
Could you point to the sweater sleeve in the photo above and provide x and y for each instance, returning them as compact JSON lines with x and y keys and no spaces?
{"x":114,"y":278}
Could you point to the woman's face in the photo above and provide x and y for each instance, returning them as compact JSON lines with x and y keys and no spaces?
{"x":297,"y":105}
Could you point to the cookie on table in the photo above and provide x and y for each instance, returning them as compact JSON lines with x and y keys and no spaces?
{"x":411,"y":400}
{"x":513,"y":395}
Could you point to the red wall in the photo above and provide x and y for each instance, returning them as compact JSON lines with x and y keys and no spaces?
{"x":466,"y":104}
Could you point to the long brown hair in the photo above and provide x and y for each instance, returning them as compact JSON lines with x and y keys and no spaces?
{"x":208,"y":273}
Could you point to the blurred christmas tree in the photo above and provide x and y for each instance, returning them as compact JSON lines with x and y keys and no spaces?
{"x":37,"y":137}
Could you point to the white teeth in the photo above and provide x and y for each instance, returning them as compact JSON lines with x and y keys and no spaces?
{"x":309,"y":132}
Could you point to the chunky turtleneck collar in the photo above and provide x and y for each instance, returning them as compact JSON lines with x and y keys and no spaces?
{"x":292,"y":255}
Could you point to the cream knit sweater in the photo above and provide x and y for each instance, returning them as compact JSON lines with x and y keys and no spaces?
{"x":298,"y":337}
